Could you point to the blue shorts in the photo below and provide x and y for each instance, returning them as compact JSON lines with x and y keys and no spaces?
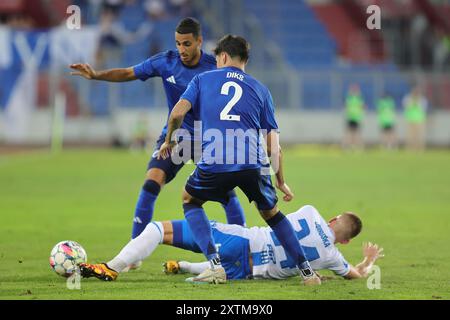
{"x":167,"y":165}
{"x":208,"y":186}
{"x":234,"y":250}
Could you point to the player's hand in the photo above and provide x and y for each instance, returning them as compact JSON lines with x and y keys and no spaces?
{"x":372,"y":252}
{"x":323,"y":278}
{"x":288,"y":195}
{"x":166,"y":150}
{"x":84,"y":70}
{"x":312,"y":281}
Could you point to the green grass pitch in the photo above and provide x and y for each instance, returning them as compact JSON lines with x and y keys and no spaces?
{"x":89,"y":196}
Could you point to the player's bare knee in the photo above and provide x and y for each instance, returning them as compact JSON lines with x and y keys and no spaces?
{"x":156,"y":175}
{"x":188,"y":199}
{"x":267,"y":214}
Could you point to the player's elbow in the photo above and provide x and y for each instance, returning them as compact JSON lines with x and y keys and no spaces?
{"x":179,"y":111}
{"x":128,"y":74}
{"x":273,"y":145}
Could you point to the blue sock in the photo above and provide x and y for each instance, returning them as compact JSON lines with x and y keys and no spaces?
{"x":286,"y":235}
{"x":234,"y":211}
{"x":201,"y":229}
{"x":143,"y":213}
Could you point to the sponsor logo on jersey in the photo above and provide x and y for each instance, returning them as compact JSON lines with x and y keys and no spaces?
{"x":171,"y":79}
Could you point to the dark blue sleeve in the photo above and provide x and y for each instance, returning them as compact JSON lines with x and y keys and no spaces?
{"x":192,"y":92}
{"x":150,"y":67}
{"x":268,"y":121}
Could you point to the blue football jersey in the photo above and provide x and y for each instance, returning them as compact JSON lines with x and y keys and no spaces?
{"x":233,"y":108}
{"x":175,"y":76}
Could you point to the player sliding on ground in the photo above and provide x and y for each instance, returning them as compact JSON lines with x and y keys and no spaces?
{"x":248,"y":253}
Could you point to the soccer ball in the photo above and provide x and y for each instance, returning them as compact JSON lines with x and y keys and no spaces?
{"x":65,"y":257}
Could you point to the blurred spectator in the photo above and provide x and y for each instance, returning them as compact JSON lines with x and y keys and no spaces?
{"x":110,"y":38}
{"x":115,"y":33}
{"x":386,"y":120}
{"x":354,"y":111}
{"x":113,"y":5}
{"x":156,"y":9}
{"x":415,"y":106}
{"x":131,"y":15}
{"x":180,"y":8}
{"x":90,"y":10}
{"x":441,"y":54}
{"x":418,"y":27}
{"x":154,"y":44}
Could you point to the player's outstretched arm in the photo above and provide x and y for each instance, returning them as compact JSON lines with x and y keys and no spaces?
{"x":372,"y":252}
{"x":112,"y":75}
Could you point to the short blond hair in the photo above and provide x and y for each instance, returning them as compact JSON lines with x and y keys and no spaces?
{"x":353,"y":224}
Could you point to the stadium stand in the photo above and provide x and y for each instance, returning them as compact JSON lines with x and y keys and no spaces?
{"x":294,"y":27}
{"x":321,"y":44}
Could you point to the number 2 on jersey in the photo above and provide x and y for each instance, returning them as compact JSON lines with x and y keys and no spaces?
{"x":224,"y":115}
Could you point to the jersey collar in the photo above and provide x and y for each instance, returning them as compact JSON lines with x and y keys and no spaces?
{"x":234,"y":68}
{"x":333,"y":236}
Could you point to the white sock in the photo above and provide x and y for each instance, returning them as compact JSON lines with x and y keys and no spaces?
{"x":193,"y":267}
{"x":139,"y":248}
